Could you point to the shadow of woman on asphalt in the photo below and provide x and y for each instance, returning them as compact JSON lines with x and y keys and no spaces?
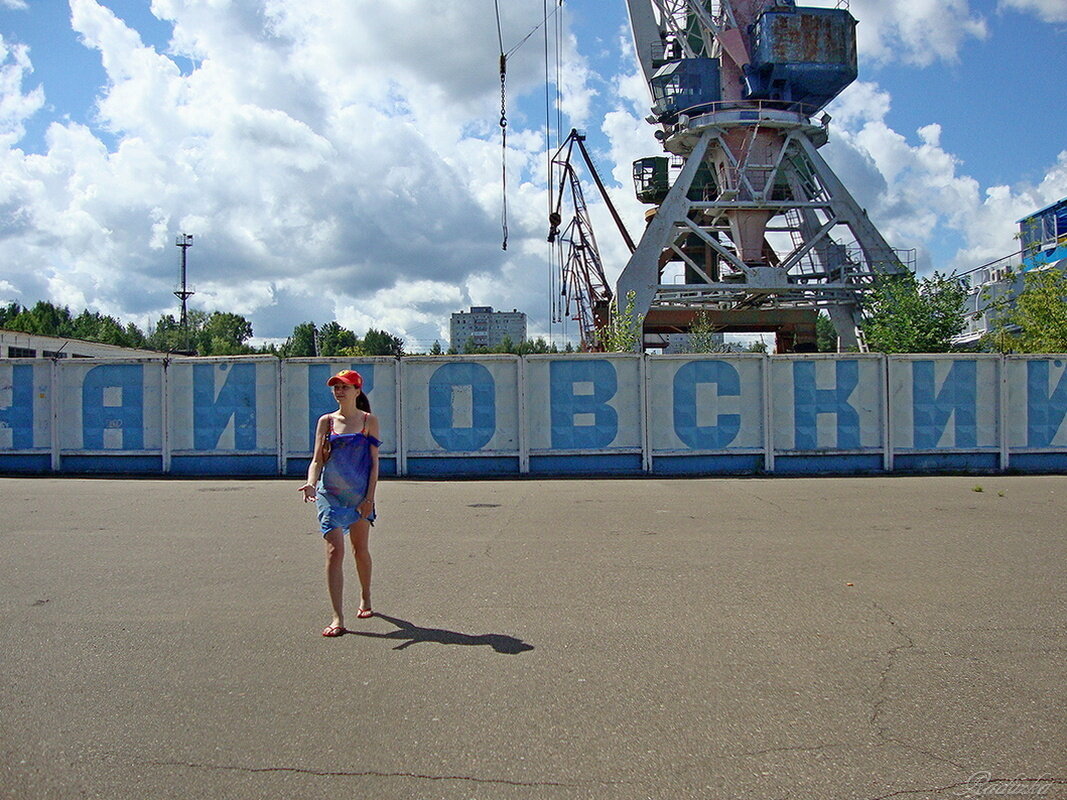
{"x":410,"y":634}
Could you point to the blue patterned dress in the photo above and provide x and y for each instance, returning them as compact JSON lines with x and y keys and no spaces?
{"x":344,"y":480}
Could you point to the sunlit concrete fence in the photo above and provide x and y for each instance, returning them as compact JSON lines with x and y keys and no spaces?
{"x":544,"y":415}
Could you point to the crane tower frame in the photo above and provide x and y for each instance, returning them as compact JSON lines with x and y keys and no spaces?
{"x":766,"y":233}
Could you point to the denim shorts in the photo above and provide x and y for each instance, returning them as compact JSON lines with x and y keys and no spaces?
{"x":342,"y":517}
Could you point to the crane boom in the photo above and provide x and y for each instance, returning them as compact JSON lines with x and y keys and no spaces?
{"x":646,"y":34}
{"x":582,"y":277}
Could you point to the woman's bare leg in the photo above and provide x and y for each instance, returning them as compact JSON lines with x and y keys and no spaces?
{"x":335,"y":575}
{"x":360,"y":534}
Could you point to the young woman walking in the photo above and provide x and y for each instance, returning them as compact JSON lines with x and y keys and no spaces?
{"x":341,"y":481}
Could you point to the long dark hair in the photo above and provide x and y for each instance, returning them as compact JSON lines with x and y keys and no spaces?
{"x":362,"y":403}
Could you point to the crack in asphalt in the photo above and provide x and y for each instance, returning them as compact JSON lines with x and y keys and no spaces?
{"x":880,"y":730}
{"x":880,"y":699}
{"x":981,"y":783}
{"x":931,"y":755}
{"x":363,"y":774}
{"x":883,"y":679}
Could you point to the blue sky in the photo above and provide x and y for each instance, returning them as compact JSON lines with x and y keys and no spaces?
{"x":341,"y":158}
{"x":1001,"y":104}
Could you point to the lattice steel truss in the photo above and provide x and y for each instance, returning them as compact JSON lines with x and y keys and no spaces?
{"x":768,"y":226}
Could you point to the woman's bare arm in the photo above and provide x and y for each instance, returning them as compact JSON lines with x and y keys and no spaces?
{"x":318,"y":459}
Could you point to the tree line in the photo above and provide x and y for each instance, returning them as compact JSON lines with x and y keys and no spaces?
{"x":207,"y":333}
{"x":222,"y":333}
{"x":904,"y":314}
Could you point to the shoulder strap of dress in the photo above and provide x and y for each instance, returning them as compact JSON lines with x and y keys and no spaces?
{"x":329,"y":425}
{"x":366,"y":416}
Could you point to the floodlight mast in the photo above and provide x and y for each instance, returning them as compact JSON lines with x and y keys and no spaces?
{"x":766,"y":233}
{"x":183,"y":293}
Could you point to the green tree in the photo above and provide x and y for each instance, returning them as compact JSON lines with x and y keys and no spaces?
{"x":166,"y":335}
{"x":8,"y":313}
{"x":470,"y":348}
{"x":301,"y":342}
{"x":356,"y":350}
{"x":704,"y":337}
{"x":1037,"y":321}
{"x":218,"y":333}
{"x":436,"y":349}
{"x":95,"y":327}
{"x":334,"y":339}
{"x":222,"y":333}
{"x":908,"y":315}
{"x":825,"y":334}
{"x":624,"y":331}
{"x":44,"y":319}
{"x":382,"y":343}
{"x":538,"y":345}
{"x":135,"y":336}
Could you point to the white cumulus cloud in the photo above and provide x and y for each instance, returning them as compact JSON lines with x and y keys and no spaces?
{"x":915,"y":190}
{"x":1047,"y":10}
{"x":336,"y":159}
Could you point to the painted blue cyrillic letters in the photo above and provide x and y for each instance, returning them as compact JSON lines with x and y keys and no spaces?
{"x":236,"y":400}
{"x":565,"y":404}
{"x":727,"y":383}
{"x":810,"y":401}
{"x":126,"y":416}
{"x":931,"y":409}
{"x":1045,"y":410}
{"x":19,"y":415}
{"x":442,"y":387}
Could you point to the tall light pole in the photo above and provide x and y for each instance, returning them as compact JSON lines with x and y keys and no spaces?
{"x":184,"y":241}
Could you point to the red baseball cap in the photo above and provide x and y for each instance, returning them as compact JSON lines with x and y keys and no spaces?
{"x":349,"y":376}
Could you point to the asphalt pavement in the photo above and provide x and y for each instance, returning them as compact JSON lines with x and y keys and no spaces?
{"x":831,"y":638}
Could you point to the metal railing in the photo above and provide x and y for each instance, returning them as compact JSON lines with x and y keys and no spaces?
{"x":805,"y":110}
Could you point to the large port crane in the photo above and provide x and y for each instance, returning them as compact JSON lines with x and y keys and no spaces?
{"x":764,"y":231}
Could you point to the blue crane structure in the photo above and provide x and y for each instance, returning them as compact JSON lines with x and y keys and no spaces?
{"x":765,"y":232}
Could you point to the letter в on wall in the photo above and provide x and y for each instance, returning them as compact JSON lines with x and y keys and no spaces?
{"x":581,"y":418}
